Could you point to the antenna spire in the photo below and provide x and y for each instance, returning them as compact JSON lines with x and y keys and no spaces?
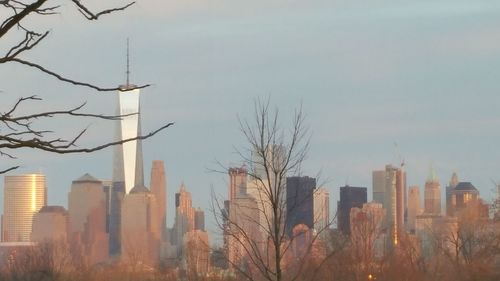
{"x":128,"y":64}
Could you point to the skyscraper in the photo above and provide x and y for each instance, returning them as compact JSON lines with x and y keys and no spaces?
{"x":350,"y":197}
{"x":413,"y":207}
{"x":127,"y":159}
{"x":449,"y":192}
{"x":237,"y":182}
{"x":199,"y":219}
{"x":299,"y":202}
{"x":184,"y":216}
{"x":159,"y":190}
{"x":432,"y":195}
{"x":87,"y":218}
{"x":462,"y":194}
{"x":128,"y":168}
{"x":24,"y":195}
{"x":393,"y":199}
{"x":50,"y":223}
{"x":378,"y":184}
{"x":321,"y":210}
{"x":140,"y":232}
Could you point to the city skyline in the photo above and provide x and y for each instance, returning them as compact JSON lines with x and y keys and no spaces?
{"x":390,"y":100}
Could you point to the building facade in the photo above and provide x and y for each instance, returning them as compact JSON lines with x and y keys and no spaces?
{"x":24,"y":196}
{"x":299,"y":202}
{"x":350,"y":197}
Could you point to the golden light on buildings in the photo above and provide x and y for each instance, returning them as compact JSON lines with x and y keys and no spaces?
{"x":33,"y":193}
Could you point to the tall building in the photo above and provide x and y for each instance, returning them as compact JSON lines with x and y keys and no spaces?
{"x":199,"y":219}
{"x":197,"y":254}
{"x":237,"y":182}
{"x":87,"y":219}
{"x":393,"y":200}
{"x":462,"y":194}
{"x":24,"y":196}
{"x":413,"y":207}
{"x":321,"y":211}
{"x":128,"y":168}
{"x":159,"y":190}
{"x":367,"y":235}
{"x":449,"y":191}
{"x":50,"y":223}
{"x":350,"y":197}
{"x":378,"y":184}
{"x":140,"y":228}
{"x":299,"y":202}
{"x":432,"y":195}
{"x":184,"y":216}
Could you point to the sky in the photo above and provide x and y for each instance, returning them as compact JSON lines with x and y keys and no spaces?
{"x":379,"y":81}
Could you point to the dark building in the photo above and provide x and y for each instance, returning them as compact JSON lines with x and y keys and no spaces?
{"x":462,"y":194}
{"x":350,"y":197}
{"x":199,"y":219}
{"x":299,"y":202}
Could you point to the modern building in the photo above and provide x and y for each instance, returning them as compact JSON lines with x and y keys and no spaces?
{"x":367,"y":235}
{"x":197,"y":254}
{"x":140,"y":233}
{"x":159,"y":190}
{"x":299,"y":202}
{"x":462,"y":194}
{"x":24,"y":196}
{"x":184,"y":216}
{"x":378,"y":184}
{"x":350,"y":197}
{"x":87,"y":219}
{"x":413,"y":208}
{"x":432,"y":195}
{"x":128,"y":170}
{"x":393,"y":200}
{"x":51,"y":223}
{"x":199,"y":219}
{"x":449,"y":192}
{"x":321,"y":211}
{"x":237,"y":182}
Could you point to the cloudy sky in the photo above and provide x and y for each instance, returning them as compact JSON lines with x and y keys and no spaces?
{"x":370,"y":74}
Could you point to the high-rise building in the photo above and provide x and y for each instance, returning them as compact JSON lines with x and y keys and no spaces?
{"x":321,"y":211}
{"x":184,"y":216}
{"x":432,"y":195}
{"x":237,"y":182}
{"x":393,"y":201}
{"x":140,"y":232}
{"x":367,"y":235}
{"x":159,"y":190}
{"x":199,"y":219}
{"x":197,"y":254}
{"x":128,"y":170}
{"x":378,"y":184}
{"x":299,"y":202}
{"x":24,"y":196}
{"x":87,"y":219}
{"x":449,"y":191}
{"x":50,"y":223}
{"x":462,"y":194}
{"x":413,"y":207}
{"x":350,"y":197}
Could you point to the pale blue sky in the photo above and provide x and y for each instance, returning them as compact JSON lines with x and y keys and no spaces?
{"x":424,"y":74}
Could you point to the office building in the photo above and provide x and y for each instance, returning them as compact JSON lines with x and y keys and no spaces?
{"x":378,"y":184}
{"x":24,"y":196}
{"x":299,"y":202}
{"x":393,"y":200}
{"x":462,"y":194}
{"x":199,"y":219}
{"x":350,"y":197}
{"x":140,"y":233}
{"x":51,"y":223}
{"x":321,"y":211}
{"x":184,"y":216}
{"x":87,"y":219}
{"x":449,"y":192}
{"x":237,"y":182}
{"x":159,"y":190}
{"x":432,"y":195}
{"x":413,"y":208}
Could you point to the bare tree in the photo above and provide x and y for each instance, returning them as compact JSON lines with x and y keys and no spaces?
{"x":19,"y":130}
{"x":259,"y":245}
